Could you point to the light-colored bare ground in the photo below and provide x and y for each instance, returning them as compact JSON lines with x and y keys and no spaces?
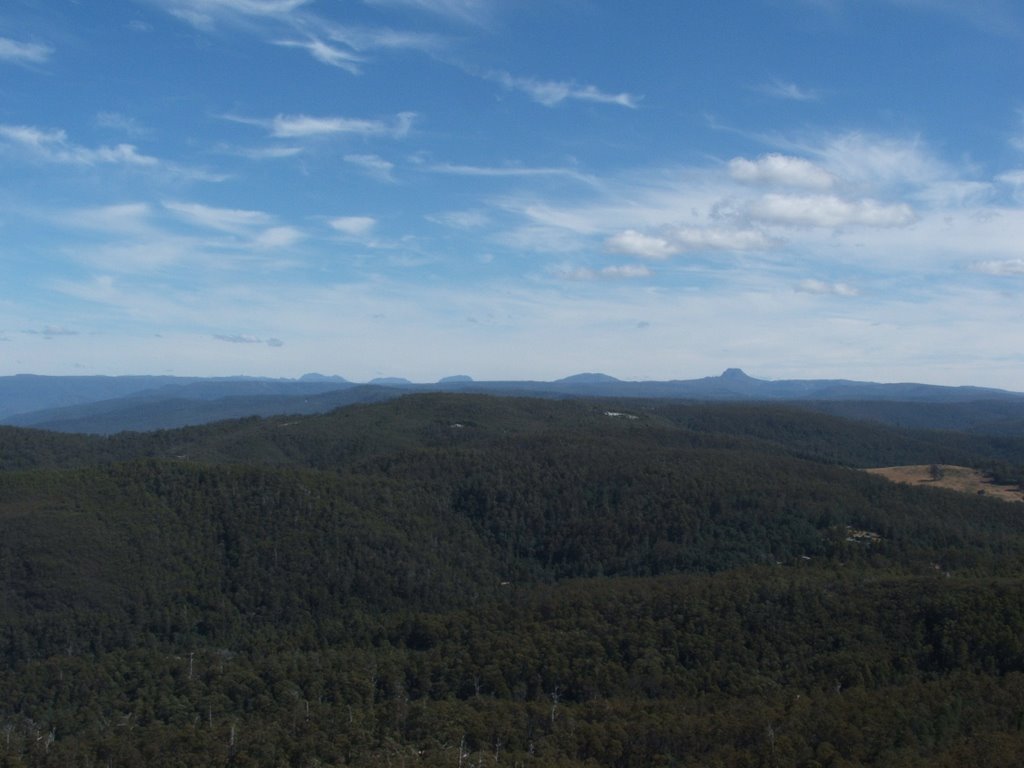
{"x":963,"y":479}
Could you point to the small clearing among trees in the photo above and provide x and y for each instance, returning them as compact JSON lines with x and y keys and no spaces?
{"x":962,"y":479}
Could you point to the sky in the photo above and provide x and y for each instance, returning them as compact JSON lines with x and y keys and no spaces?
{"x":513,"y":189}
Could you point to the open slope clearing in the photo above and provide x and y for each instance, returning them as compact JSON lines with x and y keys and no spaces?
{"x":962,"y":479}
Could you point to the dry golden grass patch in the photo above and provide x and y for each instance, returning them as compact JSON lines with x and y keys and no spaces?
{"x":962,"y":479}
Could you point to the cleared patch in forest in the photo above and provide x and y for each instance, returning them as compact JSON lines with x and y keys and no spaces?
{"x":962,"y":479}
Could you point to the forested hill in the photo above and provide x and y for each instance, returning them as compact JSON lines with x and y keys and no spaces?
{"x":466,"y":580}
{"x":435,"y":421}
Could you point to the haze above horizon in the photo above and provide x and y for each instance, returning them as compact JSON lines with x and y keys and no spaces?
{"x":513,"y":190}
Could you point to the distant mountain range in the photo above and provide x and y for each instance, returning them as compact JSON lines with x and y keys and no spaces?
{"x":110,"y":404}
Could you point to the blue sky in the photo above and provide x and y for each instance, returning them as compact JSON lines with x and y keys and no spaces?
{"x":513,"y":188}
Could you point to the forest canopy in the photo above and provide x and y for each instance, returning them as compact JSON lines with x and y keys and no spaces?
{"x":458,"y":580}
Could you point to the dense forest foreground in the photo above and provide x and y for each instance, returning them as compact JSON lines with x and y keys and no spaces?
{"x":462,"y":580}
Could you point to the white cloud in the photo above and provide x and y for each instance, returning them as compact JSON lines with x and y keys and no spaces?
{"x":255,"y":226}
{"x":821,"y":288}
{"x":374,"y":165}
{"x":461,"y":219}
{"x":326,"y":54}
{"x":953,"y":194}
{"x":628,"y":271}
{"x":1001,"y":268}
{"x":1012,"y":178}
{"x":720,"y":239}
{"x":550,"y":93}
{"x":24,"y":53}
{"x":354,"y":226}
{"x":138,"y":238}
{"x":780,"y":169}
{"x":222,"y":219}
{"x":204,"y":13}
{"x":266,"y":153}
{"x":571,"y":272}
{"x":118,"y":122}
{"x":512,"y":171}
{"x":635,"y":243}
{"x":829,"y":211}
{"x":306,"y":126}
{"x":53,"y":146}
{"x":617,"y":272}
{"x":370,"y":38}
{"x":875,"y":161}
{"x":997,"y":17}
{"x":125,"y":218}
{"x":474,"y":11}
{"x":245,"y":338}
{"x":101,"y":289}
{"x":781,"y":89}
{"x":277,"y":237}
{"x":543,"y":239}
{"x":580,"y":222}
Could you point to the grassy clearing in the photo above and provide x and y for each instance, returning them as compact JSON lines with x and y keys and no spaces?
{"x":962,"y":479}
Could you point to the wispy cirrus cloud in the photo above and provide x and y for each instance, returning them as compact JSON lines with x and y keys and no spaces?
{"x":626,"y":271}
{"x":263,"y":153}
{"x":1013,"y":178}
{"x":720,"y":239}
{"x":326,"y":54}
{"x":140,"y":238}
{"x":551,"y":93}
{"x":118,"y":122}
{"x":464,"y":220}
{"x":51,"y":331}
{"x":258,"y":228}
{"x":510,"y":171}
{"x":245,"y":338}
{"x":55,"y":147}
{"x":373,"y":165}
{"x":277,"y":237}
{"x":1017,"y":141}
{"x":613,"y":272}
{"x":122,"y":218}
{"x":879,"y":162}
{"x":382,"y":38}
{"x":675,"y":240}
{"x":294,"y":24}
{"x":830,"y":211}
{"x":473,"y":11}
{"x":354,"y":226}
{"x":996,"y":17}
{"x":823,"y":288}
{"x":307,"y":126}
{"x":1001,"y":267}
{"x":781,"y":89}
{"x":204,"y":14}
{"x":18,"y":52}
{"x":223,"y":219}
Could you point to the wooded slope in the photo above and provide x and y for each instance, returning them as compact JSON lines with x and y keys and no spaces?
{"x":510,"y":581}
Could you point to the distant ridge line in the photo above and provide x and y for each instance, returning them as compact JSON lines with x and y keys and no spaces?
{"x":104,"y":404}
